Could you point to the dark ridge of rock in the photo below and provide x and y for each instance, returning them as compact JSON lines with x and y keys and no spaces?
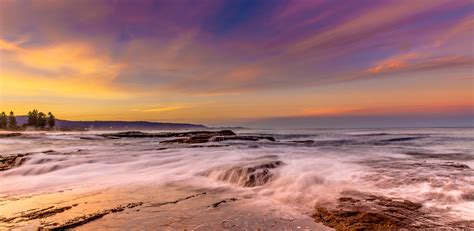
{"x":215,"y":205}
{"x":192,"y":137}
{"x":11,"y":161}
{"x":7,"y":135}
{"x":245,"y":138}
{"x":335,"y":142}
{"x":37,"y":214}
{"x":403,"y":139}
{"x":303,"y":141}
{"x":138,"y":134}
{"x":455,"y":165}
{"x":441,"y":156}
{"x":78,"y":221}
{"x":189,"y":140}
{"x":362,"y":211}
{"x":373,"y":134}
{"x":207,"y":146}
{"x":250,"y":173}
{"x":195,"y":138}
{"x":177,"y":200}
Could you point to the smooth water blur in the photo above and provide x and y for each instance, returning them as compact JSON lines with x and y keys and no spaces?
{"x":430,"y":166}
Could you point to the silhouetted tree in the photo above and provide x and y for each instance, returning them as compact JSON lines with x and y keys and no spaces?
{"x":11,"y":120}
{"x":32,"y":118}
{"x":41,"y":120}
{"x":51,"y":120}
{"x":3,"y":120}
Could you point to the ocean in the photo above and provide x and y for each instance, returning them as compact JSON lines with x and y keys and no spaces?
{"x":302,"y":169}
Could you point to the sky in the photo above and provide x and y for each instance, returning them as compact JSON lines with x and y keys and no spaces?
{"x":278,"y":63}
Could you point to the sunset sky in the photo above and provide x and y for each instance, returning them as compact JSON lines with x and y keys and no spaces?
{"x":297,"y":63}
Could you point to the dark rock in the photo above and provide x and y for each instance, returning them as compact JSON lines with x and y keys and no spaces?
{"x":403,"y":139}
{"x":78,"y":221}
{"x":441,"y":156}
{"x":454,"y":165}
{"x":10,"y":161}
{"x":362,"y":211}
{"x":192,"y":137}
{"x":217,"y":204}
{"x":138,"y":134}
{"x":245,"y":138}
{"x":249,"y":173}
{"x":303,"y":141}
{"x":7,"y":135}
{"x":37,"y":214}
{"x":206,"y":136}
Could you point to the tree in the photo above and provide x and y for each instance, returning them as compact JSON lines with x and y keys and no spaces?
{"x":3,"y":120}
{"x":41,"y":120}
{"x":32,"y":118}
{"x":51,"y":120}
{"x":11,"y":120}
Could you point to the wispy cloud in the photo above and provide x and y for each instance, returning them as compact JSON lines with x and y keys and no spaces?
{"x":154,"y":52}
{"x":159,"y":109}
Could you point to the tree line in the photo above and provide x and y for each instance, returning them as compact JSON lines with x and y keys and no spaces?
{"x":34,"y":119}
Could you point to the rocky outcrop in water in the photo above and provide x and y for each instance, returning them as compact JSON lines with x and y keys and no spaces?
{"x":249,"y":173}
{"x":7,"y":135}
{"x":362,"y":211}
{"x":192,"y":137}
{"x":10,"y":161}
{"x":138,"y":134}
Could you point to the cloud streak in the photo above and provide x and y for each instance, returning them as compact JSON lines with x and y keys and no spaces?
{"x":156,"y":52}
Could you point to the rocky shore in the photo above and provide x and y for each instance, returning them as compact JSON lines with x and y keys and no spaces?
{"x":191,"y":137}
{"x":149,"y":207}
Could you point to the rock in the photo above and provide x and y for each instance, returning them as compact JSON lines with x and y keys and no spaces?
{"x":138,"y":134}
{"x":441,"y":156}
{"x":247,"y":138}
{"x":303,"y":141}
{"x":249,"y":173}
{"x":454,"y":165}
{"x":78,"y":221}
{"x":7,"y":135}
{"x":37,"y":214}
{"x":192,"y":137}
{"x":401,"y":139}
{"x":204,"y":137}
{"x":363,"y":211}
{"x":10,"y":161}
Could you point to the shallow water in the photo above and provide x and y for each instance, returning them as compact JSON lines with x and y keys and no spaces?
{"x":433,"y":167}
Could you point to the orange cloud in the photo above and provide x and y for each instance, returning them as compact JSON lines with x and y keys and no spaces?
{"x":419,"y":62}
{"x":327,"y":111}
{"x":159,"y":109}
{"x":394,"y":63}
{"x":15,"y":83}
{"x":71,"y":69}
